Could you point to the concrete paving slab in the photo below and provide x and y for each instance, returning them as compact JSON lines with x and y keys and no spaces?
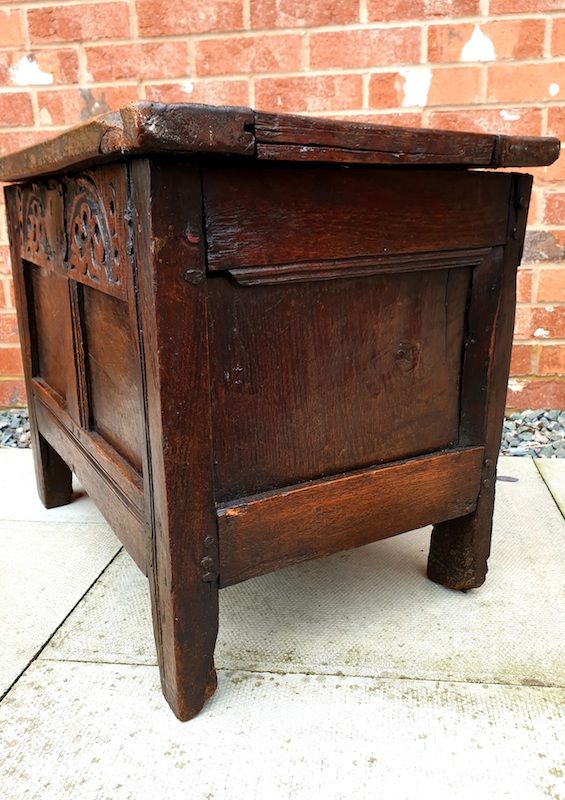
{"x":552,"y":471}
{"x":103,"y":732}
{"x":371,"y":611}
{"x":19,"y":494}
{"x":46,"y":569}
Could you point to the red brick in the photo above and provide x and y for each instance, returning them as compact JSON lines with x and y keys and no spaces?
{"x":9,"y":328}
{"x":448,"y":87}
{"x":8,"y":300}
{"x":309,"y":93}
{"x":12,"y":393}
{"x":512,"y":39}
{"x":530,"y":321}
{"x":517,"y":121}
{"x":365,"y":48}
{"x":11,"y":362}
{"x":219,"y":92}
{"x":556,"y":122}
{"x":551,"y":360}
{"x":521,"y":362}
{"x":524,"y":286}
{"x":302,"y":13}
{"x":455,"y":86}
{"x":9,"y":142}
{"x":385,"y":90}
{"x":186,"y":16}
{"x":5,"y":267}
{"x":390,"y":10}
{"x":16,"y":109}
{"x":249,"y":54}
{"x":140,"y":61}
{"x":537,"y":394}
{"x":552,"y":174}
{"x":554,"y":212}
{"x":49,"y":66}
{"x":79,"y":23}
{"x":533,"y":208}
{"x":524,"y":6}
{"x":551,"y":285}
{"x":11,"y":33}
{"x":526,"y":82}
{"x":558,"y":37}
{"x":71,"y":106}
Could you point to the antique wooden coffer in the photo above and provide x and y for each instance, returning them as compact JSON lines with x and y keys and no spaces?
{"x":258,"y":339}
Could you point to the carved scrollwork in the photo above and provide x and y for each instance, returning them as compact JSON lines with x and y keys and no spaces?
{"x":93,"y":254}
{"x":40,"y":212}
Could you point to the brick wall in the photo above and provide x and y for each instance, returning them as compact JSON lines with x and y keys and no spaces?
{"x":496,"y":65}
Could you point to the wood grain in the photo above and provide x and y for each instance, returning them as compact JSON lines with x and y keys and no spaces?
{"x":116,"y":506}
{"x":269,"y":214}
{"x":266,"y":532}
{"x":312,"y":379}
{"x":460,"y":548}
{"x":115,"y":399}
{"x":53,"y":476}
{"x":178,"y":466}
{"x":154,"y":128}
{"x":294,"y":138}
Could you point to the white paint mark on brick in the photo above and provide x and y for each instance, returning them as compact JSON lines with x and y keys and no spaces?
{"x":187,"y":87}
{"x":553,"y":89}
{"x":508,"y":116}
{"x":515,"y":385}
{"x":45,"y":117}
{"x":541,"y":333}
{"x":478,"y":48}
{"x":28,"y":72}
{"x":549,"y":308}
{"x":416,"y":87}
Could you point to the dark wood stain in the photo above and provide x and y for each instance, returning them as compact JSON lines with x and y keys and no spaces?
{"x":250,"y":359}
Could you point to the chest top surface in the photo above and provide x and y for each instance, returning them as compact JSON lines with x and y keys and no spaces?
{"x":185,"y":128}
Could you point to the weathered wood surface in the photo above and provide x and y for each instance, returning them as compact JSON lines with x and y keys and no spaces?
{"x":300,"y":357}
{"x":306,"y":379}
{"x":334,"y":215}
{"x":52,"y":473}
{"x":460,"y":548}
{"x":144,"y":128}
{"x":270,"y":531}
{"x":296,"y":138}
{"x":178,"y":465}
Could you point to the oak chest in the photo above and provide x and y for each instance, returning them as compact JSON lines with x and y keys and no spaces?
{"x":258,"y":339}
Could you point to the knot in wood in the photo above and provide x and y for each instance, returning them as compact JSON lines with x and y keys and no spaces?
{"x":193,"y":277}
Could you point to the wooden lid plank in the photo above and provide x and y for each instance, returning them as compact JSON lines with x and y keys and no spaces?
{"x":144,"y":128}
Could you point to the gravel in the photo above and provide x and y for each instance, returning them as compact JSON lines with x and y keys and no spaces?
{"x":14,"y":428}
{"x":539,"y":433}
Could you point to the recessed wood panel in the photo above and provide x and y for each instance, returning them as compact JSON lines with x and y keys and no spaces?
{"x":113,"y":374}
{"x":318,"y":378}
{"x":48,"y":299}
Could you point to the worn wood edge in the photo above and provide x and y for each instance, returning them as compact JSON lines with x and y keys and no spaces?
{"x":459,"y":549}
{"x":353,"y":267}
{"x":330,"y":504}
{"x":141,"y":128}
{"x":293,"y":137}
{"x":127,"y":482}
{"x":146,"y":127}
{"x":118,"y":507}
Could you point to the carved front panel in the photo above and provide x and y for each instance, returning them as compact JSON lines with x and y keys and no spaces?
{"x":98,"y":229}
{"x":40,"y":223}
